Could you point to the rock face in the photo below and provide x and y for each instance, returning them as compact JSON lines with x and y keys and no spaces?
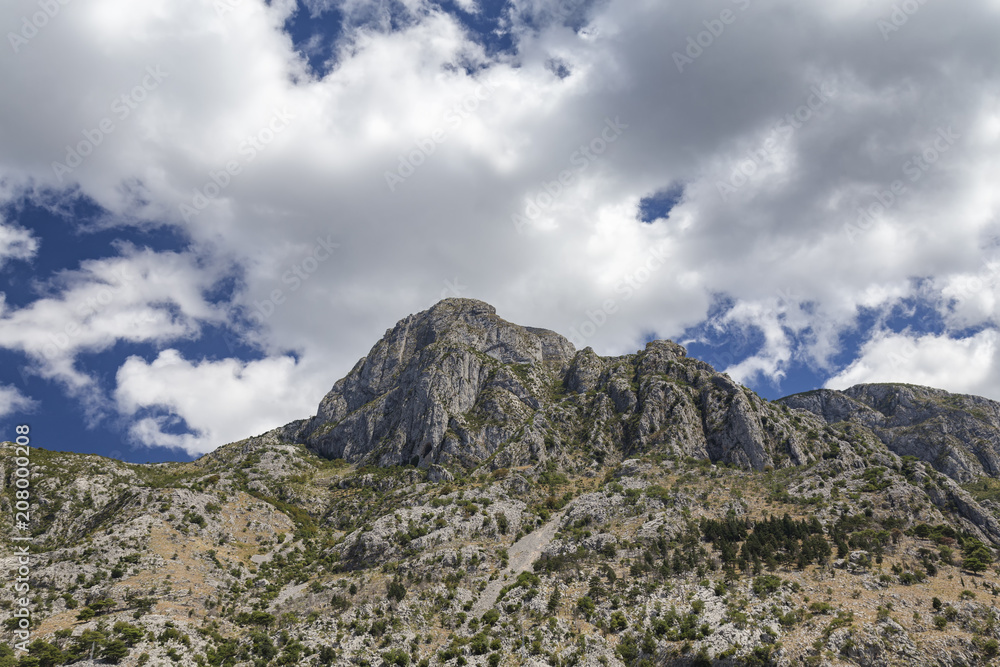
{"x":458,"y":385}
{"x":959,"y":435}
{"x":412,"y":398}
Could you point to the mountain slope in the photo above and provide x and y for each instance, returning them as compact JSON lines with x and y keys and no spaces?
{"x":958,"y":434}
{"x":457,"y":385}
{"x":478,"y":493}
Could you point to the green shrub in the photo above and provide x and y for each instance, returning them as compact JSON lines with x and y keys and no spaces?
{"x":130,"y":634}
{"x":480,"y":644}
{"x":396,"y":656}
{"x":820,"y":607}
{"x":396,"y":590}
{"x":702,"y":659}
{"x":788,"y":620}
{"x":766,"y":584}
{"x":46,"y":654}
{"x":976,"y":556}
{"x":115,"y":651}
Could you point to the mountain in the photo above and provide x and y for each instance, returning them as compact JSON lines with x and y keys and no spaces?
{"x":457,"y":385}
{"x":476,"y":492}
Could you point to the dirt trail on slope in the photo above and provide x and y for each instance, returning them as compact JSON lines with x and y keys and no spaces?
{"x":521,"y":555}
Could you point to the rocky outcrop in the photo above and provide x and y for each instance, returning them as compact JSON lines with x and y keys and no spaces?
{"x":450,"y":384}
{"x":958,"y":434}
{"x":457,"y":385}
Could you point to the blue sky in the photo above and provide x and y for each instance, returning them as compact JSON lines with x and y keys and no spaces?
{"x":210,"y":211}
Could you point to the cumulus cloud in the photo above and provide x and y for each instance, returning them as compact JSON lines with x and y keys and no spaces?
{"x":971,"y":298}
{"x":139,"y":297}
{"x":220,"y":401}
{"x":963,"y":365}
{"x":470,"y":6}
{"x":819,"y":158}
{"x":13,"y":401}
{"x":777,"y":350}
{"x":16,"y":243}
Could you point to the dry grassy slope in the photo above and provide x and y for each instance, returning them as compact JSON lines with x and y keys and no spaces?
{"x":266,"y":526}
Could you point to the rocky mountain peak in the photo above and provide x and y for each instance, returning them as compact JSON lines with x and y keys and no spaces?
{"x":411,"y":395}
{"x":458,"y":385}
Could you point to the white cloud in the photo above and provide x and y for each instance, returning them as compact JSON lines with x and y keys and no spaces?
{"x":13,"y":401}
{"x":786,"y":229}
{"x":138,"y":297}
{"x":964,"y":365}
{"x":772,"y":360}
{"x":16,"y":243}
{"x":468,"y":6}
{"x":221,"y":401}
{"x":972,"y":298}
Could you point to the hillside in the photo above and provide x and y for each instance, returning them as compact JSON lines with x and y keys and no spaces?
{"x":475,"y":492}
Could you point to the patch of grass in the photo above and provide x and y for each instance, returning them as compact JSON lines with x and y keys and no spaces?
{"x":984,"y":488}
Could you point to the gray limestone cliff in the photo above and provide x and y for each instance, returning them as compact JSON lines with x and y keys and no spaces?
{"x":458,"y":385}
{"x":958,"y":434}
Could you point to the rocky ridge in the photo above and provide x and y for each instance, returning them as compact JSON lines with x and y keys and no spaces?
{"x":958,"y":434}
{"x":478,"y":493}
{"x":458,"y":385}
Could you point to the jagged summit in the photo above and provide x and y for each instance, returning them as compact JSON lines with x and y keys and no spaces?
{"x":456,"y":384}
{"x":399,"y":402}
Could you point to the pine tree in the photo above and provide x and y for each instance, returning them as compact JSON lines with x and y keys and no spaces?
{"x":554,"y":599}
